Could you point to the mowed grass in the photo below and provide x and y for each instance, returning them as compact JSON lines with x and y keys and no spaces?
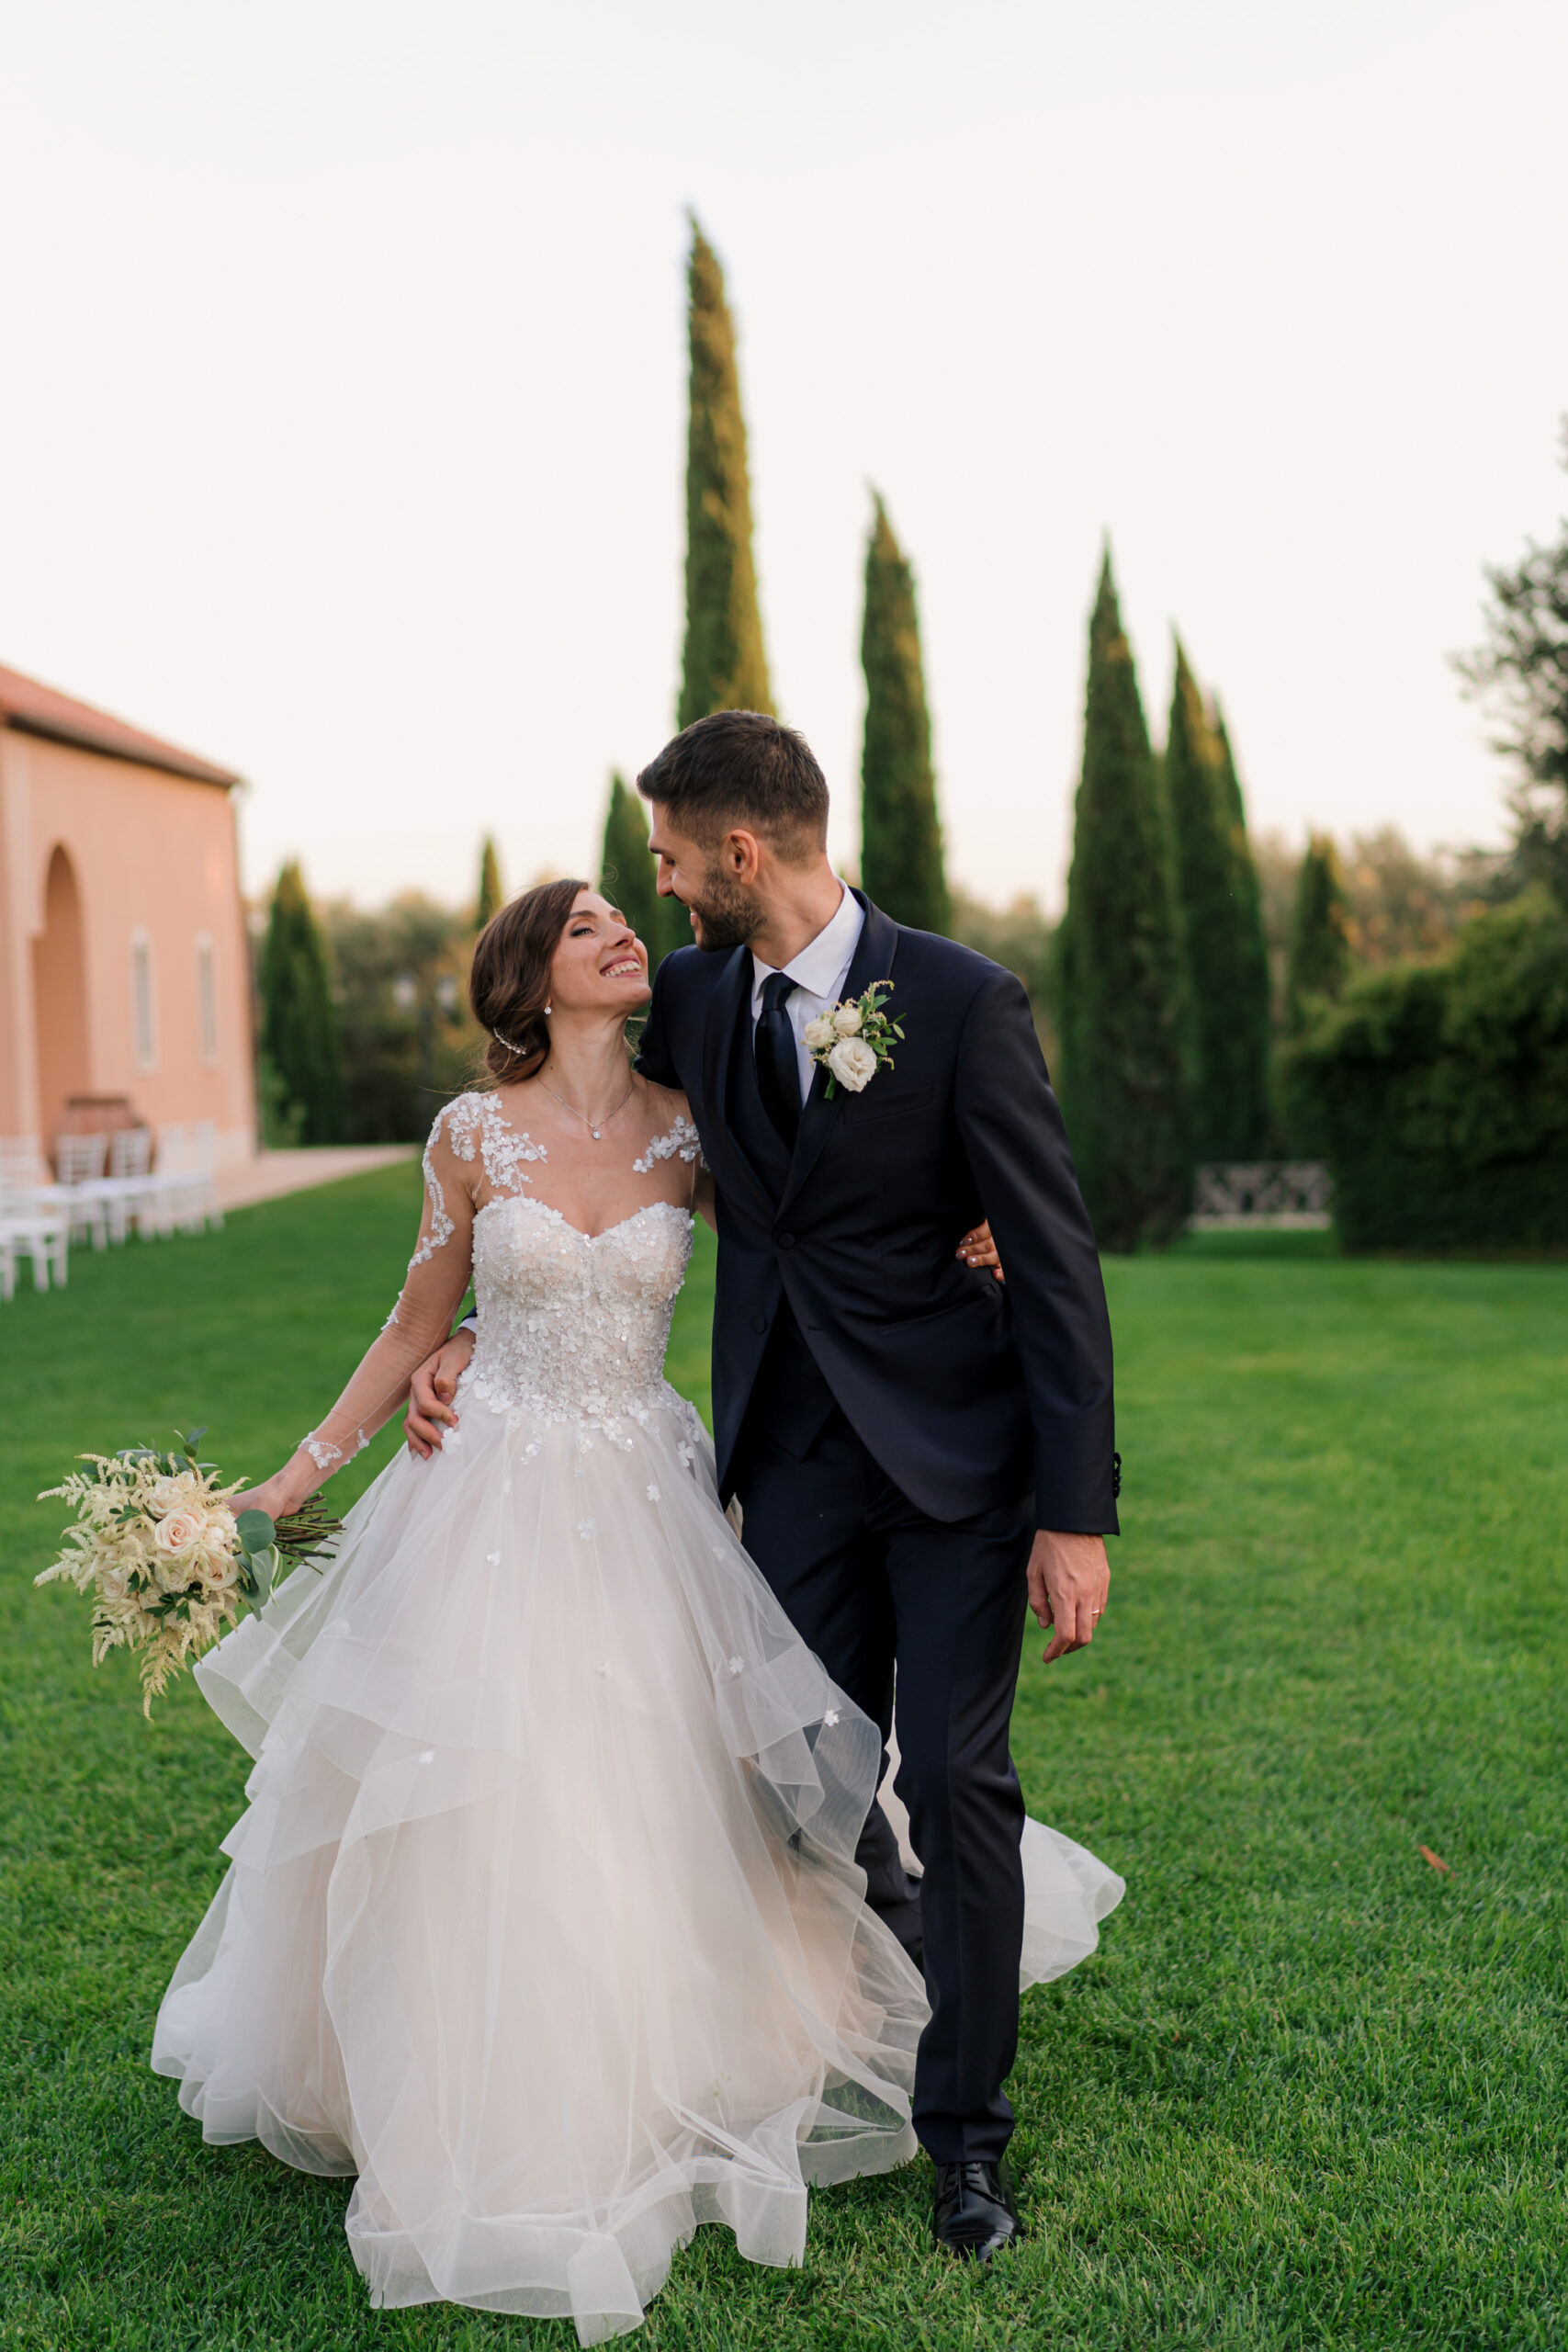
{"x":1310,"y":2092}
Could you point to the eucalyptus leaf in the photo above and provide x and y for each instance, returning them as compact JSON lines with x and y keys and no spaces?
{"x":256,"y":1531}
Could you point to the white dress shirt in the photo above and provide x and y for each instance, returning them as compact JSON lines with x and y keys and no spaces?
{"x":819,"y":972}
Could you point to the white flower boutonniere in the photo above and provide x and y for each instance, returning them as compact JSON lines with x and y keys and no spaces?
{"x":853,"y":1041}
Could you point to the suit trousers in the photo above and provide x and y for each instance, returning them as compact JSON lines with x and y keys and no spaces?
{"x":871,"y":1582}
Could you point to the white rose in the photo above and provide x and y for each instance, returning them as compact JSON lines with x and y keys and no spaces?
{"x":114,"y":1583}
{"x":846,"y":1022}
{"x":166,"y":1495}
{"x":178,"y":1530}
{"x":852,"y":1063}
{"x":222,"y":1573}
{"x":819,"y":1033}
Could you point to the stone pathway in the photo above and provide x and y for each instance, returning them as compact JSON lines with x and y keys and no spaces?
{"x":273,"y":1173}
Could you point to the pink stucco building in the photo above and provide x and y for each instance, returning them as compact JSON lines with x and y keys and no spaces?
{"x":122,"y":946}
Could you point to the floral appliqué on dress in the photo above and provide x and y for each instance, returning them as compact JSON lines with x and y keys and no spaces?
{"x":501,"y":1153}
{"x":681,"y":1140}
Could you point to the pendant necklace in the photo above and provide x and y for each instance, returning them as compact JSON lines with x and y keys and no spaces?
{"x":587,"y":1122}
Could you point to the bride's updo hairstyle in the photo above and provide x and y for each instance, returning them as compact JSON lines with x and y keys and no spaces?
{"x":509,"y":980}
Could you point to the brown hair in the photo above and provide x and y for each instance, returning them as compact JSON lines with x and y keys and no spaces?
{"x":741,"y":767}
{"x":509,"y":980}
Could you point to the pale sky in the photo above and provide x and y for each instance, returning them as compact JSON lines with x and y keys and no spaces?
{"x":341,"y":416}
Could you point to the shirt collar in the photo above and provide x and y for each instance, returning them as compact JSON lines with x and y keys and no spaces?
{"x":822,"y":966}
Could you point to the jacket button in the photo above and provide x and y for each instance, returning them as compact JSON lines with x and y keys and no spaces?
{"x":758,"y":1322}
{"x":786,"y":1242}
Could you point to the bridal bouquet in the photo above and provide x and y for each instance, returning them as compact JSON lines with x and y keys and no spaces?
{"x":166,"y":1562}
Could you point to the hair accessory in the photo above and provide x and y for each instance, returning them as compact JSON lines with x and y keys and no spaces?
{"x":507,"y":1043}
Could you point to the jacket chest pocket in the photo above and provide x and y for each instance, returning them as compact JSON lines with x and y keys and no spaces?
{"x":866,"y":1110}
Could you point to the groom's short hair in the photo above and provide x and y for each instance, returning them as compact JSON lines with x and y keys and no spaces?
{"x":740,"y":767}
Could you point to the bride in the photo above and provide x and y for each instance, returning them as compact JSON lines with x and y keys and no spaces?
{"x":543,"y":1918}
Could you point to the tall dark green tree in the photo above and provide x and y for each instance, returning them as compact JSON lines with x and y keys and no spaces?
{"x":1222,"y":922}
{"x":724,"y":666}
{"x":1521,"y":672}
{"x":1230,"y":777}
{"x":1120,"y":975}
{"x":299,"y":1034}
{"x":627,"y":876}
{"x":901,"y":861}
{"x":1319,"y":934}
{"x":491,"y":895}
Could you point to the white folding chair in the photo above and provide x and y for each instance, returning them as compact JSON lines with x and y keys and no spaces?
{"x":202,"y":1148}
{"x":27,"y":1190}
{"x":129,"y":1188}
{"x":45,"y":1235}
{"x":186,"y":1178}
{"x":23,"y":1167}
{"x":80,"y":1160}
{"x":171,"y":1177}
{"x":8,"y":1266}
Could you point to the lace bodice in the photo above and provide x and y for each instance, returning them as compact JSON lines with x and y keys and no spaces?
{"x":571,"y":1324}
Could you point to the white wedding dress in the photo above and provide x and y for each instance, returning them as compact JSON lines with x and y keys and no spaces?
{"x":543,"y":1917}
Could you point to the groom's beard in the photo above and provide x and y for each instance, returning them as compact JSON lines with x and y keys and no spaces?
{"x":724,"y":915}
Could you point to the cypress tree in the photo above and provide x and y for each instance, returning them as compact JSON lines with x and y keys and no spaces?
{"x":627,"y":877}
{"x":1230,"y":779}
{"x":724,"y":666}
{"x":1319,"y":934}
{"x":489,"y":901}
{"x":1124,"y":1055}
{"x":300,"y":1025}
{"x":1222,"y":919}
{"x":902,"y":861}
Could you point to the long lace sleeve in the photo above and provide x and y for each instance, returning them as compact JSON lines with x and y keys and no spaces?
{"x":438,"y":1277}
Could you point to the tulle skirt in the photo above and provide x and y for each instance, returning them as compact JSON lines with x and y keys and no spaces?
{"x":543,"y":1918}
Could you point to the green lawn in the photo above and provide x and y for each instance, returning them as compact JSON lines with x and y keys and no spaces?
{"x":1310,"y":2092}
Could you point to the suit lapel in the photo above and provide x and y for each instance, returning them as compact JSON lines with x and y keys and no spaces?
{"x":873,"y":955}
{"x":729,"y":1005}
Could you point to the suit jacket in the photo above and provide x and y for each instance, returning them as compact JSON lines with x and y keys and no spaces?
{"x":965,"y":1391}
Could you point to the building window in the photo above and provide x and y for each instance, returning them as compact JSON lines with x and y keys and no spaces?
{"x":143,"y":1011}
{"x":206,"y":1000}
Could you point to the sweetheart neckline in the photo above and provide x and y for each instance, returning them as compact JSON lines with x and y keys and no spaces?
{"x":531,"y":1201}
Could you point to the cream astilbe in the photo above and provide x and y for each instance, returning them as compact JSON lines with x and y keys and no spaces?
{"x":164,"y":1562}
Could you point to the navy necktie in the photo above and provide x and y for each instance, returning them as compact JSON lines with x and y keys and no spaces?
{"x":778,"y":1065}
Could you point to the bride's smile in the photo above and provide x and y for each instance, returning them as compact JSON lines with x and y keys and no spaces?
{"x":601,"y":966}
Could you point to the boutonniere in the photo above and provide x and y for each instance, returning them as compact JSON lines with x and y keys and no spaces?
{"x":853,"y":1041}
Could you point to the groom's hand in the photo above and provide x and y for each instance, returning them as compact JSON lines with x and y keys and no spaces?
{"x":1069,"y":1583}
{"x":431,"y":1392}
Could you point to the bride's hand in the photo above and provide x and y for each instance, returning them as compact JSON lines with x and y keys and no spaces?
{"x":431,"y":1392}
{"x":283,"y":1492}
{"x":977,"y":1249}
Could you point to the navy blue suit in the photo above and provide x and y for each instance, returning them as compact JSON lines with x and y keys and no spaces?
{"x":896,"y":1424}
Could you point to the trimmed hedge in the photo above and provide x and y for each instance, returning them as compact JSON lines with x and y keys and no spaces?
{"x":1440,"y":1090}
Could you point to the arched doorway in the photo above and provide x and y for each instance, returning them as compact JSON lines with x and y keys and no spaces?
{"x":60,"y":998}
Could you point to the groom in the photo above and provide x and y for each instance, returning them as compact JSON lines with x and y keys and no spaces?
{"x":920,"y":1454}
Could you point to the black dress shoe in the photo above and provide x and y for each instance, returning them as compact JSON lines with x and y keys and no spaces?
{"x":974,"y":2214}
